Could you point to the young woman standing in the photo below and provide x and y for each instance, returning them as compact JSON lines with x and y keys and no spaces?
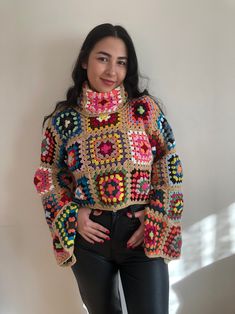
{"x":110,"y":181}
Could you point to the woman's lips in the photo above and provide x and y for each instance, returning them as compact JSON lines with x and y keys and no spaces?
{"x":108,"y":82}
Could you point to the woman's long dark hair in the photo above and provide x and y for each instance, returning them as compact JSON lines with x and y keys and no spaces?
{"x":79,"y":75}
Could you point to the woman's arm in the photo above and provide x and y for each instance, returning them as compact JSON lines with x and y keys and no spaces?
{"x":163,"y":215}
{"x":55,"y":184}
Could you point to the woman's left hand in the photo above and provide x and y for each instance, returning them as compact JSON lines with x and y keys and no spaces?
{"x":138,"y":236}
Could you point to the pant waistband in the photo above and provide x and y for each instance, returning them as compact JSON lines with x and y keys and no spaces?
{"x":131,"y":208}
{"x":137,"y":207}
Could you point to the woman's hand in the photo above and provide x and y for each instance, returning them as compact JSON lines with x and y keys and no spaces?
{"x":90,"y":230}
{"x":138,"y":236}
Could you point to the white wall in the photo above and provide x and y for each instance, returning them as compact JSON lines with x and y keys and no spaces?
{"x":187,"y":49}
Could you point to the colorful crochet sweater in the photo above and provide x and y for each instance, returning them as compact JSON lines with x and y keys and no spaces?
{"x":108,"y":152}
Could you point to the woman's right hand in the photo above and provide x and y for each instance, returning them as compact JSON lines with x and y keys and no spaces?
{"x":90,"y":230}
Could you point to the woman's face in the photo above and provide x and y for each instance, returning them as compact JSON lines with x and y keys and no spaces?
{"x":107,"y":64}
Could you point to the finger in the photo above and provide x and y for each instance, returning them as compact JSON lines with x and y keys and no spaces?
{"x":135,"y":237}
{"x":97,"y":212}
{"x":87,"y":239}
{"x":88,"y":231}
{"x":92,"y":238}
{"x":96,"y":226}
{"x":137,"y":243}
{"x":129,"y":214}
{"x":140,"y":213}
{"x":138,"y":234}
{"x":99,"y":234}
{"x":95,"y":238}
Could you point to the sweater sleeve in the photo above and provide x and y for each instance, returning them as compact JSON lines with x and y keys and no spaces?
{"x":163,"y":213}
{"x":55,"y":184}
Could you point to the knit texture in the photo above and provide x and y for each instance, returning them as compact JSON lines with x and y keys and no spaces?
{"x":108,"y":152}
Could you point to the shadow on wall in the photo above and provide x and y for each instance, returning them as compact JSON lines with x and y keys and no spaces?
{"x":209,"y":290}
{"x":204,"y":279}
{"x":31,"y":281}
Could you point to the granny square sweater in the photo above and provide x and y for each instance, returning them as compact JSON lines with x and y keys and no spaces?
{"x":108,"y":152}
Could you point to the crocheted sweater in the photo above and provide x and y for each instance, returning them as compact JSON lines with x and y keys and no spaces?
{"x":108,"y":152}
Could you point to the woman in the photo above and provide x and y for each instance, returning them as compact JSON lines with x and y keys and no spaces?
{"x":110,"y":181}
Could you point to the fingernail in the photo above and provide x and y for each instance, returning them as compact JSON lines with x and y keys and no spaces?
{"x":107,"y":231}
{"x":129,"y":246}
{"x":101,"y":241}
{"x":108,"y":238}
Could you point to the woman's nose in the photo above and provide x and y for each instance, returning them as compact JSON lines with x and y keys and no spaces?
{"x":111,"y":69}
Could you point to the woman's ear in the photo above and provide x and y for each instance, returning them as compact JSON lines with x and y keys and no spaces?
{"x":84,"y":65}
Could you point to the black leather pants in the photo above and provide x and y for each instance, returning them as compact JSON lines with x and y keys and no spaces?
{"x":144,"y":280}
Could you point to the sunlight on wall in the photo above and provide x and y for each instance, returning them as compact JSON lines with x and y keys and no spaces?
{"x":232,"y":226}
{"x":208,"y":239}
{"x":204,"y":243}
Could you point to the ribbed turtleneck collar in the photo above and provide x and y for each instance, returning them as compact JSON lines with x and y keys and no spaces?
{"x":102,"y":102}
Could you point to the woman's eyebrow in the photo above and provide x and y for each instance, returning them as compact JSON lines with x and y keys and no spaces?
{"x":109,"y":55}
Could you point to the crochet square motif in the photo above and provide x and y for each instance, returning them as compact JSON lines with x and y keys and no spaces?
{"x":111,"y":187}
{"x":140,"y":185}
{"x":51,"y":207}
{"x":175,"y":205}
{"x":155,"y":228}
{"x":74,"y":160}
{"x":67,"y":123}
{"x":158,"y":199}
{"x":173,"y":242}
{"x":66,"y":223}
{"x":106,"y":149}
{"x":174,"y":169}
{"x":103,"y":121}
{"x":43,"y":180}
{"x":82,"y":193}
{"x":166,"y":131}
{"x":141,"y":150}
{"x":160,"y":237}
{"x":48,"y":147}
{"x":140,"y":112}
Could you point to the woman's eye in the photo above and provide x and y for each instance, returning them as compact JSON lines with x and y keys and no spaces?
{"x":122,"y":62}
{"x":103,"y":59}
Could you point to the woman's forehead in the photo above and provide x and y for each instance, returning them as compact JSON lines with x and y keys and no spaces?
{"x":111,"y":46}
